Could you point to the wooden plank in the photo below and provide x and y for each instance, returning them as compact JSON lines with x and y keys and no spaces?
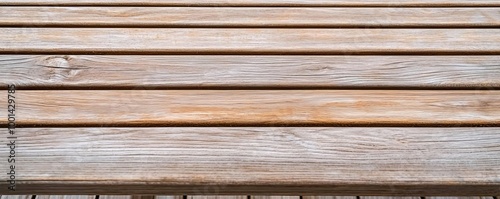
{"x":65,"y":197}
{"x":281,"y":161}
{"x":275,"y":197}
{"x":248,"y":17}
{"x":14,"y":196}
{"x":389,"y":197}
{"x":329,"y":197}
{"x":256,"y":2}
{"x":169,"y":197}
{"x":255,"y":107}
{"x":215,"y":190}
{"x":115,"y":197}
{"x":163,"y":72}
{"x":249,"y":41}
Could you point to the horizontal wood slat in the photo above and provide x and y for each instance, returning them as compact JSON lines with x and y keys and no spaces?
{"x":257,"y":2}
{"x":249,"y":17}
{"x":160,"y":72}
{"x":249,"y":41}
{"x":287,"y":161}
{"x":255,"y":107}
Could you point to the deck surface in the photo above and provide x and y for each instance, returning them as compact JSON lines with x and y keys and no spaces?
{"x":250,"y":98}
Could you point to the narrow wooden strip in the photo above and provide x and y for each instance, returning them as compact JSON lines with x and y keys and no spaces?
{"x":14,"y":196}
{"x":275,"y":197}
{"x":249,"y":17}
{"x":214,"y":189}
{"x":390,"y":197}
{"x":254,"y":107}
{"x":249,"y":41}
{"x":329,"y":197}
{"x":139,"y":72}
{"x":256,"y":2}
{"x":65,"y":197}
{"x":168,"y":197}
{"x":115,"y":197}
{"x":321,"y":161}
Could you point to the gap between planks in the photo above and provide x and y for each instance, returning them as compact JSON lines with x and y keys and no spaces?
{"x":249,"y":72}
{"x":249,"y":41}
{"x":169,"y":17}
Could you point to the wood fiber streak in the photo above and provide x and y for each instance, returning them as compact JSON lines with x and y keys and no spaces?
{"x":158,"y":72}
{"x":256,"y":2}
{"x":66,"y":197}
{"x":248,"y":17}
{"x":249,"y":41}
{"x":414,"y":161}
{"x":255,"y":107}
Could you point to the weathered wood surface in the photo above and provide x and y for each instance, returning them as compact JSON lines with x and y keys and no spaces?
{"x":363,"y":161}
{"x":66,"y":197}
{"x":255,"y":107}
{"x":161,"y":72}
{"x":248,"y":17}
{"x":249,"y":41}
{"x":257,"y":2}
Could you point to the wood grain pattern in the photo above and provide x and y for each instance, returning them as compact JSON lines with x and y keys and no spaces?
{"x":288,"y":161}
{"x":275,"y":197}
{"x":248,"y":17}
{"x":115,"y":197}
{"x":255,"y":107}
{"x":249,"y":41}
{"x":15,"y":196}
{"x":257,"y":2}
{"x":209,"y":195}
{"x":391,"y":197}
{"x":163,"y":72}
{"x":329,"y":197}
{"x":65,"y":197}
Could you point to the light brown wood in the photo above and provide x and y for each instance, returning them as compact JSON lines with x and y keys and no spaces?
{"x":249,"y":41}
{"x":390,"y":197}
{"x":257,"y":2}
{"x":280,"y":161}
{"x":163,"y":72}
{"x":15,"y":196}
{"x":329,"y":197}
{"x":115,"y":197}
{"x":65,"y":197}
{"x":248,"y":17}
{"x":275,"y":197}
{"x":255,"y":107}
{"x":215,"y":190}
{"x":168,"y":197}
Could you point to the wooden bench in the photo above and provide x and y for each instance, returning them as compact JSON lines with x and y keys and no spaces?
{"x":273,"y":97}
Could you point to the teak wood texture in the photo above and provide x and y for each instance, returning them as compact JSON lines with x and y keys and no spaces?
{"x":248,"y":17}
{"x":250,"y":3}
{"x":209,"y":71}
{"x":413,"y":161}
{"x":256,"y":107}
{"x":249,"y":41}
{"x":252,"y":99}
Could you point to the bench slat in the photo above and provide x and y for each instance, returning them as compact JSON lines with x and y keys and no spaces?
{"x":249,"y":41}
{"x":364,"y":161}
{"x":255,"y":107}
{"x":160,"y":72}
{"x":257,"y":2}
{"x":249,"y":17}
